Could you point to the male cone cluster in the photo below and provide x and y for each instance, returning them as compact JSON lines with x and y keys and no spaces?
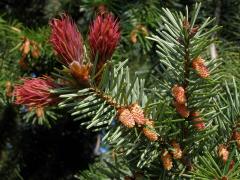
{"x":178,"y":92}
{"x":134,"y":115}
{"x":28,"y":47}
{"x":167,"y":156}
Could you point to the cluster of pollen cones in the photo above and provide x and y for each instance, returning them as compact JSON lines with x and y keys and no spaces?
{"x":133,"y":115}
{"x":180,"y":103}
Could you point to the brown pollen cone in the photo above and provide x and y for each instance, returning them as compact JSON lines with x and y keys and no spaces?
{"x":149,"y":131}
{"x":137,"y":114}
{"x":223,"y":152}
{"x":177,"y":153}
{"x":236,"y":137}
{"x":178,"y":93}
{"x":199,"y":65}
{"x":167,"y":160}
{"x":125,"y":117}
{"x":25,"y":48}
{"x":181,"y":109}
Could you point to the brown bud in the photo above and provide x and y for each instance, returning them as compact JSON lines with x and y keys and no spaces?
{"x":137,"y":114}
{"x":232,"y":163}
{"x":144,"y":30}
{"x":194,"y":30}
{"x":128,"y":178}
{"x":149,"y":131}
{"x":25,"y":48}
{"x":236,"y":137}
{"x":186,"y":24}
{"x":181,"y":109}
{"x":23,"y":62}
{"x":167,"y":160}
{"x":80,"y":72}
{"x":35,"y":53}
{"x":178,"y":93}
{"x":40,"y":112}
{"x":9,"y":89}
{"x":198,"y":122}
{"x":177,"y":152}
{"x":199,"y":65}
{"x":223,"y":153}
{"x":102,"y":10}
{"x":125,"y":117}
{"x":133,"y":36}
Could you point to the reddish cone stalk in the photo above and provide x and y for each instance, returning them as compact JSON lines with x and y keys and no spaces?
{"x":35,"y":92}
{"x":103,"y":38}
{"x":66,"y":40}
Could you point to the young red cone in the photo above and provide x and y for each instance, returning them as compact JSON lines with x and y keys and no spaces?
{"x":66,"y":40}
{"x":35,"y":92}
{"x":103,"y":38}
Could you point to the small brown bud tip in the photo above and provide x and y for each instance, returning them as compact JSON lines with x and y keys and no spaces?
{"x":198,"y":122}
{"x":25,"y":48}
{"x":223,"y":153}
{"x":23,"y":62}
{"x":128,"y":178}
{"x":9,"y":89}
{"x":167,"y":160}
{"x":144,"y":30}
{"x":40,"y":112}
{"x":178,"y":93}
{"x":199,"y":65}
{"x":149,"y":131}
{"x":181,"y":109}
{"x":125,"y":117}
{"x":194,"y":30}
{"x":224,"y":178}
{"x":236,"y":137}
{"x":102,"y":10}
{"x":186,"y":24}
{"x":177,"y":152}
{"x":137,"y":114}
{"x":133,"y":36}
{"x":232,"y":163}
{"x":80,"y":72}
{"x":35,"y":53}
